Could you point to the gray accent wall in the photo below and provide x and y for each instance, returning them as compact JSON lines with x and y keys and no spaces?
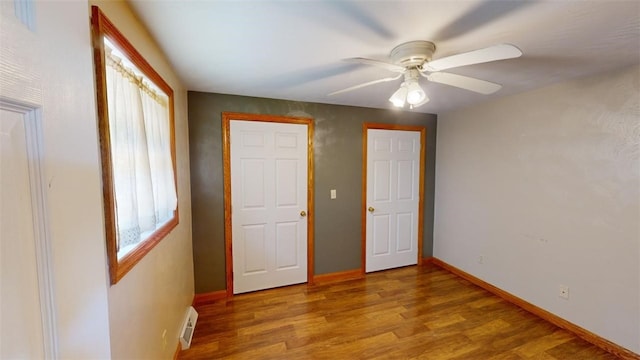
{"x":337,"y":147}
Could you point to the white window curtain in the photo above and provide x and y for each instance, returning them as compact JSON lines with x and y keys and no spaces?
{"x":143,"y":178}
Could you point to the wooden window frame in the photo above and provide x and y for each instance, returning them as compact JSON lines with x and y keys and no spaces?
{"x":103,"y":28}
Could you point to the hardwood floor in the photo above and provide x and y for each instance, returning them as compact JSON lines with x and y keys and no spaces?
{"x":407,"y":313}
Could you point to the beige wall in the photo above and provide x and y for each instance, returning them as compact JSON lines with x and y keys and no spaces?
{"x":545,"y":186}
{"x":155,"y":295}
{"x":73,"y":180}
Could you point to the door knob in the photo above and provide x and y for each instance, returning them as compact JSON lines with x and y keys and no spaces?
{"x":371,"y":209}
{"x":303,"y":213}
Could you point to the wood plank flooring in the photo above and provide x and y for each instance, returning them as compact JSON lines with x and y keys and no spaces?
{"x":407,"y":313}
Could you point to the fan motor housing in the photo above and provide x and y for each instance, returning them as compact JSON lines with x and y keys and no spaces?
{"x":412,"y":53}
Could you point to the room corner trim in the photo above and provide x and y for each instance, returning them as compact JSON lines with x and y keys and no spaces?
{"x":207,"y":298}
{"x":544,"y":314}
{"x":338,"y":276}
{"x":426,"y":261}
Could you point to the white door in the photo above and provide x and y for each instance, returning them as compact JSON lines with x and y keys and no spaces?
{"x":26,"y":302}
{"x":269,"y":204}
{"x":393,"y":195}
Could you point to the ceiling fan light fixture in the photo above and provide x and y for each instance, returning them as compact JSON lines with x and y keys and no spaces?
{"x":424,"y":101}
{"x":415,"y":94}
{"x":413,"y":60}
{"x":400,"y":96}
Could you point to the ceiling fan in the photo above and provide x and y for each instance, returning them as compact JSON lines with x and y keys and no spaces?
{"x":413,"y":60}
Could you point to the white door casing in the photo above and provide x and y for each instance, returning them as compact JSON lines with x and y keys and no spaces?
{"x":27,"y":316}
{"x":268,"y":176}
{"x":393,"y":162}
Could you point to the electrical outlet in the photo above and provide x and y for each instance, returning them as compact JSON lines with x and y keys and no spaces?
{"x":564,"y":292}
{"x":164,"y":339}
{"x":481,"y":259}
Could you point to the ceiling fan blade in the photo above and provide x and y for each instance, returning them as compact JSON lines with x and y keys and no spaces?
{"x":380,"y":64}
{"x":479,"y":15}
{"x":366,"y":84}
{"x":491,"y":53}
{"x":359,"y":15}
{"x":464,"y":82}
{"x":307,"y":75}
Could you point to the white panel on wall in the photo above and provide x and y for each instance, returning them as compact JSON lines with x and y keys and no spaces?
{"x":254,"y":243}
{"x":253,"y":187}
{"x":382,"y":187}
{"x":252,"y":139}
{"x":405,"y":180}
{"x":285,"y":141}
{"x":404,"y":231}
{"x":382,"y":144}
{"x":406,"y":146}
{"x":286,"y":245}
{"x":382,"y":234}
{"x":286,"y":178}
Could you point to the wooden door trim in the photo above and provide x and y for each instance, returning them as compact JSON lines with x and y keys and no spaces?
{"x":423,"y":133}
{"x":227,"y":117}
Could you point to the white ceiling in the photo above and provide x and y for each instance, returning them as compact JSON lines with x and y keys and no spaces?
{"x":294,"y":50}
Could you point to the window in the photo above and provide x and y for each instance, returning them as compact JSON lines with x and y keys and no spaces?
{"x":137,"y":148}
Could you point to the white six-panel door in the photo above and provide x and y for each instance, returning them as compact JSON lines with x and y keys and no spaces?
{"x":393,"y":177}
{"x":27,"y":328}
{"x":269,"y":204}
{"x":20,"y":321}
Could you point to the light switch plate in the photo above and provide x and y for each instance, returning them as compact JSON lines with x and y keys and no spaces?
{"x":333,"y":193}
